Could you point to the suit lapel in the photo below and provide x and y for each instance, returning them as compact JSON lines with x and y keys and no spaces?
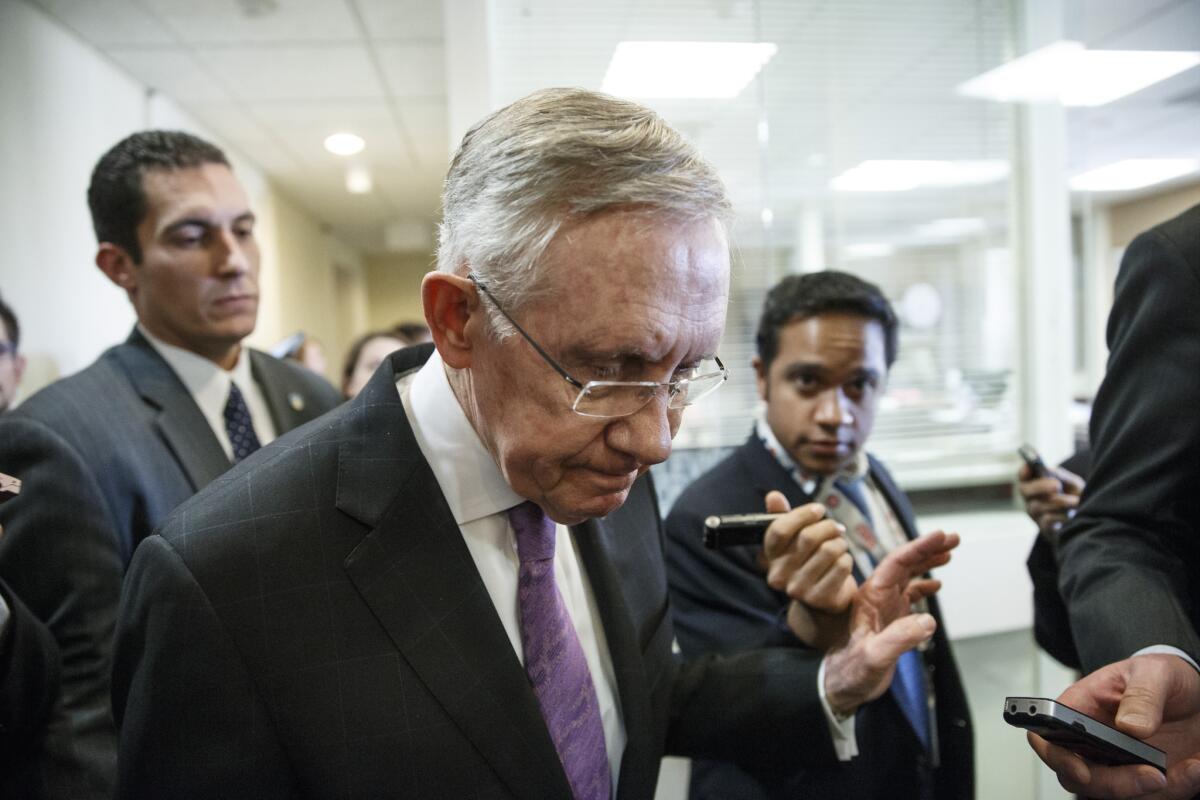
{"x":414,"y":572}
{"x":273,"y":380}
{"x":766,"y":473}
{"x":595,"y":542}
{"x":177,"y":417}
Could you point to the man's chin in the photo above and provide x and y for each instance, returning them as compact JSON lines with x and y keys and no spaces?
{"x":577,"y":510}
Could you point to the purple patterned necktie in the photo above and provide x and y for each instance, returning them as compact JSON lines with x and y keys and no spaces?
{"x":554,"y":659}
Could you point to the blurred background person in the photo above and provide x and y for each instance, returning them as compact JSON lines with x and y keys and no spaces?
{"x":105,"y":454}
{"x":12,"y":363}
{"x":370,"y":349}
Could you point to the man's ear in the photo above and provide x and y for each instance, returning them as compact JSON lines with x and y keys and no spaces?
{"x":760,"y":377}
{"x":114,"y":261}
{"x":453,"y":314}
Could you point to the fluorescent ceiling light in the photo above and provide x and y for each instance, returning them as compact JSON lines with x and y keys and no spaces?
{"x":903,"y":175}
{"x":852,"y":252}
{"x":951,"y":228}
{"x":1133,"y":173}
{"x":1068,"y":73}
{"x":344,"y":144}
{"x":358,"y":180}
{"x":685,"y":69}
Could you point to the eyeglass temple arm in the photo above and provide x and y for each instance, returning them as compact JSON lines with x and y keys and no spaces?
{"x":545,"y":356}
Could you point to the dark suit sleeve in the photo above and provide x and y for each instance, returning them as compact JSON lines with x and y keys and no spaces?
{"x":191,"y":722}
{"x":29,"y":676}
{"x":1128,"y":561}
{"x":745,"y":670}
{"x":60,"y":555}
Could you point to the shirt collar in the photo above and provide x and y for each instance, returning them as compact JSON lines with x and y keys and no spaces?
{"x":206,"y":382}
{"x":471,"y":481}
{"x":854,"y":471}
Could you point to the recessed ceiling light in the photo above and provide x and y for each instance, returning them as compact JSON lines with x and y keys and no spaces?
{"x":767,"y":216}
{"x":950,"y":228}
{"x":1133,"y":173}
{"x":685,"y":69}
{"x":884,"y":175}
{"x":853,"y":252}
{"x":344,"y":144}
{"x":358,"y":180}
{"x":1066,"y":72}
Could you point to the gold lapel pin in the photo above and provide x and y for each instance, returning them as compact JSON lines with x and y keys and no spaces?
{"x":296,"y":401}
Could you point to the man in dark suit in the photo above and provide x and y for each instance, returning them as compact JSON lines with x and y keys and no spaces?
{"x":1130,"y":558}
{"x":107,"y":453}
{"x":453,"y":586}
{"x":825,"y":343}
{"x":12,"y":363}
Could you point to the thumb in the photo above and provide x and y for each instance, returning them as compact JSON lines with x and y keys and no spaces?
{"x":777,"y":503}
{"x":901,"y":636}
{"x":1146,"y":688}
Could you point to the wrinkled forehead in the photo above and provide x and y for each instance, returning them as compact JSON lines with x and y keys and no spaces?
{"x":640,"y":282}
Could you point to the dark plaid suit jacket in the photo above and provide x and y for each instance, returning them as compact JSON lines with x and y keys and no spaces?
{"x":104,"y":456}
{"x":313,"y":625}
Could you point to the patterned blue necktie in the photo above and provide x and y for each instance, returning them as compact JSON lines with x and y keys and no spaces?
{"x":554,"y":659}
{"x":908,"y":683}
{"x":239,"y":425}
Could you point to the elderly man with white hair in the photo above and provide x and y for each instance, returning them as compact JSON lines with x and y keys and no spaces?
{"x":453,"y":586}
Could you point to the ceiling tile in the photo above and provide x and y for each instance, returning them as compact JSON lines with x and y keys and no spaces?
{"x":172,"y":72}
{"x":413,"y":70}
{"x":402,"y":19}
{"x":284,"y":21}
{"x":290,"y":73}
{"x":110,"y":22}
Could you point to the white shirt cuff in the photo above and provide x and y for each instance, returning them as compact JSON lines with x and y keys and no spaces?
{"x":1169,"y":650}
{"x":845,"y":743}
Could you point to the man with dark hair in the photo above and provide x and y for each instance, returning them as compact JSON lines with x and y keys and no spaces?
{"x":825,"y":343}
{"x":12,"y":363}
{"x":106,"y":454}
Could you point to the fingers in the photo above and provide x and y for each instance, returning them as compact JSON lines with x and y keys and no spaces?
{"x":776,"y":503}
{"x":1095,"y":780}
{"x":920,"y":588}
{"x":1039,"y":487}
{"x":1071,"y":483}
{"x":904,"y":634}
{"x":779,"y":536}
{"x":828,"y":590}
{"x":914,"y":558}
{"x":788,"y":551}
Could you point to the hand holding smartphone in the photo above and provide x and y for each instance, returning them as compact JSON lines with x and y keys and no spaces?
{"x":1079,"y":733}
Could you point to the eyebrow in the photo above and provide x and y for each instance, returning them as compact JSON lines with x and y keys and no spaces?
{"x":797,"y":367}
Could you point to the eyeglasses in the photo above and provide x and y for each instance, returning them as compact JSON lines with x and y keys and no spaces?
{"x":622,"y":398}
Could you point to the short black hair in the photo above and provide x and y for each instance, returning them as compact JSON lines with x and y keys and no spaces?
{"x":116,"y":196}
{"x":799,"y":297}
{"x":11,"y":329}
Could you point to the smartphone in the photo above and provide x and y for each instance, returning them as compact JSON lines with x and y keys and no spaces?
{"x":1037,"y":467}
{"x":1079,"y":733}
{"x":734,"y":530}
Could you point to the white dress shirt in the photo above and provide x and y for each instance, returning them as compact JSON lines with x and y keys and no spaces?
{"x":479,"y":499}
{"x":208,"y":385}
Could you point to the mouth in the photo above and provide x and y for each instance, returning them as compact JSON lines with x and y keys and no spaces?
{"x":827,"y":448}
{"x":235,"y":302}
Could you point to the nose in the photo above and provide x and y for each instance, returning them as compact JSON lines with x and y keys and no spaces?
{"x":646,"y":435}
{"x":833,"y":409}
{"x":230,"y":254}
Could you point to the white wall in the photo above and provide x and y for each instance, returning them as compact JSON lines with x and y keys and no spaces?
{"x":61,"y":106}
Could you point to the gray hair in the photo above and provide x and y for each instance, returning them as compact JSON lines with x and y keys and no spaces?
{"x":557,"y":155}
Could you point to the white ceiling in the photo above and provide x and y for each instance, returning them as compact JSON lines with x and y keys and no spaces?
{"x":853,"y":79}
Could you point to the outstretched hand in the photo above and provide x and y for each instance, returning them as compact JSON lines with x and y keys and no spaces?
{"x":1151,"y":697}
{"x":881,"y":625}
